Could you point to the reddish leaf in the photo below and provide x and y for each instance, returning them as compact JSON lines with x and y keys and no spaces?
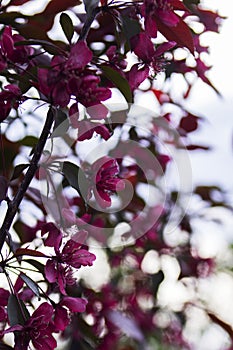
{"x":196,"y":147}
{"x":180,"y":33}
{"x":18,"y":2}
{"x":30,"y":252}
{"x":189,"y":123}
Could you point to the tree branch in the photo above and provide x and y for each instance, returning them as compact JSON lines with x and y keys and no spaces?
{"x":87,"y":25}
{"x":14,"y":204}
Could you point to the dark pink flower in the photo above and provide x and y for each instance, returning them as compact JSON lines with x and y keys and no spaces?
{"x":60,"y":274}
{"x":11,"y":97}
{"x":58,"y":269}
{"x":80,"y":56}
{"x":9,"y":53}
{"x":151,"y":57}
{"x":69,"y":76}
{"x":38,"y":329}
{"x":104,"y":180}
{"x":73,"y":255}
{"x":86,"y":130}
{"x":158,"y":9}
{"x":54,"y":237}
{"x":66,"y":306}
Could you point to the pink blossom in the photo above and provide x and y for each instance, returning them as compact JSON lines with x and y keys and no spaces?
{"x":60,"y":274}
{"x":151,"y":57}
{"x":38,"y":328}
{"x":158,"y":9}
{"x":63,"y":309}
{"x":104,"y":180}
{"x":10,"y":53}
{"x":11,"y":97}
{"x":70,"y":76}
{"x":86,"y":130}
{"x":58,"y":269}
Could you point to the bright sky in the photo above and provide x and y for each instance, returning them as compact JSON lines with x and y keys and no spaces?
{"x":218,"y":131}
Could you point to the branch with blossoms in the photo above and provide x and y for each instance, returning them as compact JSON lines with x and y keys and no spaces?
{"x":56,"y":202}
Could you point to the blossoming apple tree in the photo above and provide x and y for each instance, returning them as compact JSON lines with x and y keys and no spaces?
{"x":73,"y":160}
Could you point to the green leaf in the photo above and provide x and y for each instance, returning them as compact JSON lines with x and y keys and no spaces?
{"x":48,"y":46}
{"x":17,"y":311}
{"x":191,"y":2}
{"x":71,"y":173}
{"x":31,"y":284}
{"x":67,"y":26}
{"x":40,"y":267}
{"x":131,"y":27}
{"x":29,"y":141}
{"x":120,"y":82}
{"x":18,"y":171}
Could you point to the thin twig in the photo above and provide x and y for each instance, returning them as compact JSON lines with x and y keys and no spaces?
{"x":14,"y":204}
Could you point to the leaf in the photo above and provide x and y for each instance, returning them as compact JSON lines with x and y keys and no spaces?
{"x":3,"y":188}
{"x":40,"y":267}
{"x":18,"y":171}
{"x":119,"y":81}
{"x":90,"y":5}
{"x":131,"y":28}
{"x":48,"y":46}
{"x":29,"y":141}
{"x":180,"y":33}
{"x":67,"y":26}
{"x":71,"y":173}
{"x":30,"y":252}
{"x":191,"y":2}
{"x":198,"y":147}
{"x":31,"y":284}
{"x":18,"y":2}
{"x":17,"y":311}
{"x":61,"y":124}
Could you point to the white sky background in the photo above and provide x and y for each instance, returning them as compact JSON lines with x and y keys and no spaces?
{"x":217,"y":166}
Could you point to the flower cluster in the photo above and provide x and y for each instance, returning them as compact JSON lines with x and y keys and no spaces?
{"x":58,"y":268}
{"x":69,"y":76}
